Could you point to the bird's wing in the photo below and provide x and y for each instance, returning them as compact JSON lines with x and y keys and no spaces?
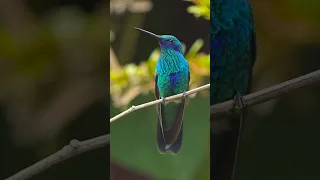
{"x":253,"y":38}
{"x":156,"y":89}
{"x":170,"y":135}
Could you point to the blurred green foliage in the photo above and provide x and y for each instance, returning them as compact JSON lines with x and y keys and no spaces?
{"x":36,"y":56}
{"x":53,"y":58}
{"x":200,"y":9}
{"x":130,"y":76}
{"x":128,"y":81}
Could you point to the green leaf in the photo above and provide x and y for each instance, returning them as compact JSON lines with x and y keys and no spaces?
{"x":200,"y":9}
{"x":194,"y":49}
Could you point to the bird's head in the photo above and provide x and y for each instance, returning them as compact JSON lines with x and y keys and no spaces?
{"x":171,"y":42}
{"x":166,"y":41}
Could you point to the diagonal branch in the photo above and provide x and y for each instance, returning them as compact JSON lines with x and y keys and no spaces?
{"x":269,"y":93}
{"x":74,"y":148}
{"x":170,"y":98}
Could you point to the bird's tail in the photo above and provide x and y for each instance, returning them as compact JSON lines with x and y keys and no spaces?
{"x":163,"y":147}
{"x":239,"y":137}
{"x":224,"y":151}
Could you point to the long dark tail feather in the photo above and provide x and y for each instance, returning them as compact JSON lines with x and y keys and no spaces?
{"x":160,"y":140}
{"x":239,"y":138}
{"x":225,"y":147}
{"x":175,"y":147}
{"x":170,"y":139}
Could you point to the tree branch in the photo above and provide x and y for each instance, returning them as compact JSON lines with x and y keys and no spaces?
{"x":170,"y":98}
{"x":74,"y":148}
{"x":268,"y":93}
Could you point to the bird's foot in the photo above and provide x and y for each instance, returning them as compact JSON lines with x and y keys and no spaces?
{"x":237,"y":106}
{"x":75,"y":144}
{"x":184,"y":94}
{"x":163,"y":100}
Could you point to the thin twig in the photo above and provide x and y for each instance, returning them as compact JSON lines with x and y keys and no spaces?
{"x":170,"y":98}
{"x":269,"y":93}
{"x":74,"y":148}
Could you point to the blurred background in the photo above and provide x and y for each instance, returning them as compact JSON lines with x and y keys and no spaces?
{"x":53,"y":79}
{"x":53,"y":84}
{"x":281,"y":136}
{"x":133,"y":56}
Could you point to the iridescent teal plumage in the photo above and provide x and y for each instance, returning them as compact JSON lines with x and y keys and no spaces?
{"x":172,"y":77}
{"x":232,"y":57}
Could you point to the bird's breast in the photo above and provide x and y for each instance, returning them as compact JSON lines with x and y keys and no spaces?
{"x":171,"y":62}
{"x":173,"y":83}
{"x":230,"y":63}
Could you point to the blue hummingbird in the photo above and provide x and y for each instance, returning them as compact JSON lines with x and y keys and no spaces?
{"x":172,"y":76}
{"x":232,"y":53}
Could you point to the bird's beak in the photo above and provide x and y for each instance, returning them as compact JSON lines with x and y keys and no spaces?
{"x":147,"y":32}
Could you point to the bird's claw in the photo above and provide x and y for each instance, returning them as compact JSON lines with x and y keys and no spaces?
{"x":74,"y":144}
{"x":238,"y":105}
{"x":184,"y":94}
{"x":163,"y":100}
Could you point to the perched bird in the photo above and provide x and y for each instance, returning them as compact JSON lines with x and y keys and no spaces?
{"x":233,"y":53}
{"x":172,"y":77}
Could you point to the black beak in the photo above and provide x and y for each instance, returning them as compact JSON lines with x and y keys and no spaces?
{"x":147,"y":32}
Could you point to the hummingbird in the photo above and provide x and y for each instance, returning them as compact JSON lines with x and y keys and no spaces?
{"x":232,"y":57}
{"x":172,"y":76}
